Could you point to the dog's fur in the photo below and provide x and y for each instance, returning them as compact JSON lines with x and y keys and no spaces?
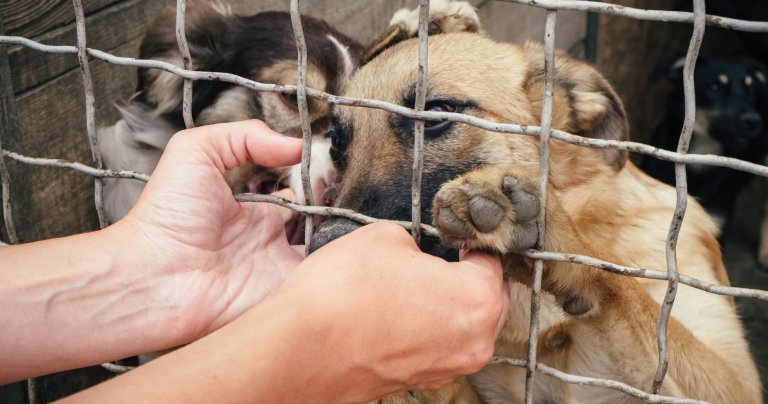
{"x":730,"y":103}
{"x":480,"y":190}
{"x":260,"y":47}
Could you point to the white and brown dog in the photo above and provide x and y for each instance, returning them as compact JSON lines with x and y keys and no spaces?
{"x":260,"y":47}
{"x":481,"y":192}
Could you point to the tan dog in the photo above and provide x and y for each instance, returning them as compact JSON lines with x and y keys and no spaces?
{"x":480,"y":190}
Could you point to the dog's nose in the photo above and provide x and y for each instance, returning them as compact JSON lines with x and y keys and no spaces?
{"x":330,"y":230}
{"x":751,"y":122}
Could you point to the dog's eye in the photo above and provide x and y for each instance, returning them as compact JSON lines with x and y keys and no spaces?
{"x":338,"y":148}
{"x":441,"y":107}
{"x":291,"y":100}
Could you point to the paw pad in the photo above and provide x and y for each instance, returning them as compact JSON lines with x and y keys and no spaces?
{"x":526,"y":203}
{"x":485,"y":213}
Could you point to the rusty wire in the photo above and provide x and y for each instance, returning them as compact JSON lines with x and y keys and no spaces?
{"x":418,"y":127}
{"x":595,"y":382}
{"x":643,"y":14}
{"x":306,"y":128}
{"x":181,"y":39}
{"x":538,"y":266}
{"x":681,"y":188}
{"x":90,"y":113}
{"x":528,"y":130}
{"x":698,"y":18}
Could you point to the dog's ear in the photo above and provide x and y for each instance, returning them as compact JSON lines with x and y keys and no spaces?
{"x":207,"y":30}
{"x":671,"y":68}
{"x":445,"y":16}
{"x":584,"y":102}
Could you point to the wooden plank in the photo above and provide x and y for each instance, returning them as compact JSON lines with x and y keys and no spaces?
{"x":10,"y":137}
{"x":628,"y":51}
{"x":107,"y":29}
{"x":30,"y":18}
{"x":519,"y":23}
{"x":52,"y":121}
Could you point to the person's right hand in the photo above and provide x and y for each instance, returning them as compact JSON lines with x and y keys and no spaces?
{"x":392,"y":318}
{"x":362,"y":317}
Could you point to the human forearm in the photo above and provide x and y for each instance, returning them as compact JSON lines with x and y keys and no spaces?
{"x":277,"y":361}
{"x":78,"y":301}
{"x":350,"y":325}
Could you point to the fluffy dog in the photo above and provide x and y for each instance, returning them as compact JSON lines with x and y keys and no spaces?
{"x":730,"y":101}
{"x":481,"y":192}
{"x":260,"y":47}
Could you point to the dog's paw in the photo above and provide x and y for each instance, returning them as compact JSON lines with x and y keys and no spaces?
{"x":496,"y":213}
{"x":445,"y":16}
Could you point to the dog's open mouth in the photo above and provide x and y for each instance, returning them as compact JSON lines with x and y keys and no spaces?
{"x":266,"y":182}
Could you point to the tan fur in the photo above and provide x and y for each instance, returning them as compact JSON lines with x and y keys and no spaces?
{"x":598,"y":205}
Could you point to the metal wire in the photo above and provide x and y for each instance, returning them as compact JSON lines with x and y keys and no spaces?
{"x":648,"y":15}
{"x":306,"y":129}
{"x":595,"y":381}
{"x":538,"y":266}
{"x":90,"y":113}
{"x":418,"y":127}
{"x":181,"y":39}
{"x":528,"y":130}
{"x":680,"y":157}
{"x":681,"y":186}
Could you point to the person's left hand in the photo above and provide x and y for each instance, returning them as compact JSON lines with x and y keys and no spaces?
{"x":215,"y":256}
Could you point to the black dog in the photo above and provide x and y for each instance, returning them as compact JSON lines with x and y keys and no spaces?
{"x":731,"y":95}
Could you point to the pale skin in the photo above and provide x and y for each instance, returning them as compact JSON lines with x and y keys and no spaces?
{"x":367,"y":315}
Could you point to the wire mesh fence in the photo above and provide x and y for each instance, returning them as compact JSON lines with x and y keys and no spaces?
{"x":544,"y":132}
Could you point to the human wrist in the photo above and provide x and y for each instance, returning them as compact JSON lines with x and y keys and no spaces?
{"x":78,"y":301}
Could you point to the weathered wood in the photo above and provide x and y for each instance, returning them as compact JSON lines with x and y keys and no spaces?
{"x":52,"y":120}
{"x":107,"y":29}
{"x":30,"y":18}
{"x":518,"y":23}
{"x":10,"y":137}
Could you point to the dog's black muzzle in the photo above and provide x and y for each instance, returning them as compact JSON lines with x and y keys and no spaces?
{"x":333,"y":228}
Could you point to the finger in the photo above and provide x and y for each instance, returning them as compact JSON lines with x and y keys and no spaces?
{"x":479,"y":259}
{"x":435,"y":384}
{"x":389,"y":232}
{"x":300,"y":250}
{"x":233,"y":144}
{"x":285,"y":213}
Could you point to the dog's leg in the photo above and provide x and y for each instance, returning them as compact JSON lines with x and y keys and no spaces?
{"x":612,"y":319}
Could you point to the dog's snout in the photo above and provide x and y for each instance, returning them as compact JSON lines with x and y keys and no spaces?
{"x":751,"y":121}
{"x":330,"y":230}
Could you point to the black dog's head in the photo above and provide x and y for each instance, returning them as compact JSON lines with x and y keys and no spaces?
{"x":260,"y":47}
{"x":730,"y":99}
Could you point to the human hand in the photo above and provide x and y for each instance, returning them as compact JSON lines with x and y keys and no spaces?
{"x":364,"y":316}
{"x":392,"y":318}
{"x":215,"y":256}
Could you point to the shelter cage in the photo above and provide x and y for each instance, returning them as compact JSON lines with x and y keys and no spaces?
{"x":699,"y":20}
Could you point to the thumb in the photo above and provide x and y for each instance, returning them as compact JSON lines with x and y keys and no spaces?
{"x":489,"y":263}
{"x":491,"y":266}
{"x":233,"y":144}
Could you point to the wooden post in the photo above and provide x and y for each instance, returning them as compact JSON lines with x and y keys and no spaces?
{"x":10,"y":138}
